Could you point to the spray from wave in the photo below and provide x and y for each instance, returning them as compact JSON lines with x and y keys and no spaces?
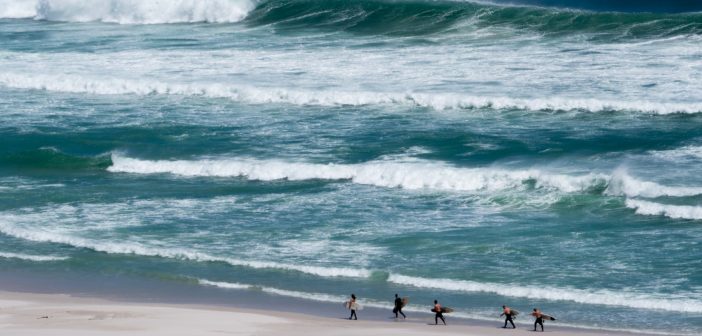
{"x":128,"y":11}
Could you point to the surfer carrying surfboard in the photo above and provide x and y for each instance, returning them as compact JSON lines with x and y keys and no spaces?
{"x":439,"y":313}
{"x":398,"y":307}
{"x":539,"y":319}
{"x":352,"y":305}
{"x":507,"y":312}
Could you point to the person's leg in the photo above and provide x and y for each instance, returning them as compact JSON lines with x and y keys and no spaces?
{"x":535,"y":323}
{"x":506,"y":319}
{"x":403,"y":314}
{"x":436,"y":318}
{"x":542,"y":325}
{"x":442,"y":318}
{"x":510,"y":321}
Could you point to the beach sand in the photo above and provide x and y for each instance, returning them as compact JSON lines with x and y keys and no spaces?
{"x":58,"y":315}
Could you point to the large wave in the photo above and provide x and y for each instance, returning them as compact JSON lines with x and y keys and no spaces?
{"x":128,"y":11}
{"x":266,"y":95}
{"x":431,"y":17}
{"x":410,"y":17}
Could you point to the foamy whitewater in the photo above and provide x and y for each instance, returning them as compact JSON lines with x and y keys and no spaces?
{"x":530,"y":153}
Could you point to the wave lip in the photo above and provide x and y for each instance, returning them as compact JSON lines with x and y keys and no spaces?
{"x":667,"y":210}
{"x":601,"y":297}
{"x":622,"y":183}
{"x":30,"y":257}
{"x":129,"y":11}
{"x":302,"y":97}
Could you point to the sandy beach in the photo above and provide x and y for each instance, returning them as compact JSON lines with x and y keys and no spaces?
{"x":55,"y":314}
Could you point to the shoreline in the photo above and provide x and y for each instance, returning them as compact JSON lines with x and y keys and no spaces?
{"x":124,"y":302}
{"x":64,"y":314}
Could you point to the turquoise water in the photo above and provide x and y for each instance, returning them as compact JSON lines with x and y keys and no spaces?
{"x":481,"y":154}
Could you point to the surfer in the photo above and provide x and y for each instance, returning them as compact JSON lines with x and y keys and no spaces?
{"x":352,"y":306}
{"x":439,"y":313}
{"x":539,"y":319}
{"x":398,"y":307}
{"x":507,"y":312}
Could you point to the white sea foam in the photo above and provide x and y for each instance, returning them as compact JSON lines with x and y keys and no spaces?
{"x":42,"y":235}
{"x":415,"y":174}
{"x":622,"y":183}
{"x":17,"y":9}
{"x":128,"y":11}
{"x":686,"y":152}
{"x":31,"y":257}
{"x":668,"y":210}
{"x":267,"y":95}
{"x":596,"y":297}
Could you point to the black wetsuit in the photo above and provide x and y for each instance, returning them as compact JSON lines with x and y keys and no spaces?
{"x":539,"y":321}
{"x":439,"y":315}
{"x":508,"y":318}
{"x":398,"y":308}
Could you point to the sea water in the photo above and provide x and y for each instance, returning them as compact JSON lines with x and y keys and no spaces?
{"x":536,"y":154}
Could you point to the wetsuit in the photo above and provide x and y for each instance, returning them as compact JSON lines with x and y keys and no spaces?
{"x":439,"y":314}
{"x":398,"y":308}
{"x":539,"y":321}
{"x":508,"y":318}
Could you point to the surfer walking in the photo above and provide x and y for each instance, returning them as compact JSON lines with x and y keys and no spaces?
{"x":439,"y":313}
{"x":398,"y":307}
{"x":507,"y":312}
{"x":539,"y":319}
{"x":352,"y":307}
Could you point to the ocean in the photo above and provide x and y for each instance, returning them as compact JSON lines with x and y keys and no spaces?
{"x":535,"y":154}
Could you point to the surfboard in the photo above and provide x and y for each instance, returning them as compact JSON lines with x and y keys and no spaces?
{"x":548,"y":317}
{"x":444,"y":310}
{"x":514,"y":312}
{"x":545,"y":317}
{"x":405,"y":301}
{"x":352,"y":306}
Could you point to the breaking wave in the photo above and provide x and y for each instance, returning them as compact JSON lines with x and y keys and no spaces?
{"x":667,"y":210}
{"x":414,"y":174}
{"x":263,"y":95}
